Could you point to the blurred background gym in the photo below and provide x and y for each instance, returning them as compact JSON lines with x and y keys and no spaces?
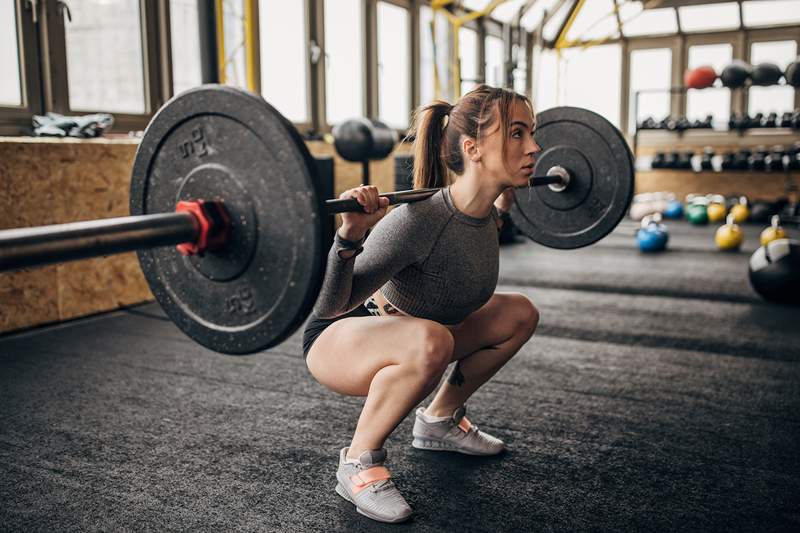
{"x":661,"y":390}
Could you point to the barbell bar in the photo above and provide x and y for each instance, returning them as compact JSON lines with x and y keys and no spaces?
{"x":225,"y":177}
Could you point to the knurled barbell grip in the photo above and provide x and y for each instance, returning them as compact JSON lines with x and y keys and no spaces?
{"x":26,"y":247}
{"x":348,"y":205}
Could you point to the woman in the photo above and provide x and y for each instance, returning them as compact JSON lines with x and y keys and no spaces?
{"x":420,"y":295}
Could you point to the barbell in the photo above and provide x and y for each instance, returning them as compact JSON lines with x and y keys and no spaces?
{"x":225,"y":177}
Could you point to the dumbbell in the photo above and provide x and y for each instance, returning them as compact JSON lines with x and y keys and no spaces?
{"x":786,"y":120}
{"x":770,"y":121}
{"x":757,"y":161}
{"x":658,"y":160}
{"x":740,"y":160}
{"x":774,"y":159}
{"x":685,"y":161}
{"x":706,"y":160}
{"x":794,"y":157}
{"x":728,"y":161}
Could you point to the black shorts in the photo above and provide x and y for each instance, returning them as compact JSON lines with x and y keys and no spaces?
{"x":315,"y":326}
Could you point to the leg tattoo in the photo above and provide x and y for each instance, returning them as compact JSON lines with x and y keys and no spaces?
{"x":456,"y":377}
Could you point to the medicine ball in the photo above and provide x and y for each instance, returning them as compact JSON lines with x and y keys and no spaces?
{"x":774,"y":271}
{"x":765,"y":74}
{"x":363,"y":139}
{"x":700,"y":77}
{"x":792,"y":73}
{"x":735,"y":74}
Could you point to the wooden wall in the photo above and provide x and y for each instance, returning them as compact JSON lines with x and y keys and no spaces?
{"x":48,"y":181}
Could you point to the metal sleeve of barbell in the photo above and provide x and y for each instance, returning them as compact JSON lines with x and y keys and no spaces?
{"x":28,"y":247}
{"x":348,"y":205}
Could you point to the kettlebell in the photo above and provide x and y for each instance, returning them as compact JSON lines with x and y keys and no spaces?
{"x":740,"y":211}
{"x":697,"y":212}
{"x":674,"y":208}
{"x":773,"y":232}
{"x":729,"y":236}
{"x":652,"y":236}
{"x":716,"y":208}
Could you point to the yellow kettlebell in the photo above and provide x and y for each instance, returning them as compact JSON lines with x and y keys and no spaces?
{"x":775,"y":231}
{"x":740,"y":211}
{"x":729,"y":236}
{"x":716,"y":209}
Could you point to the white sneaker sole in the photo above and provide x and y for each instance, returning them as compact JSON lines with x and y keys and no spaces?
{"x":343,"y":493}
{"x":437,"y":445}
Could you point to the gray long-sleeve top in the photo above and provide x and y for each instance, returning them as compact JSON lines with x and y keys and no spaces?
{"x":429,"y":259}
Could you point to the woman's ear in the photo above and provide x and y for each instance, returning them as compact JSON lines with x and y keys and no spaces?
{"x":470,"y":149}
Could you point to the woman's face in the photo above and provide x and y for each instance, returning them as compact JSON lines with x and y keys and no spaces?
{"x":520,"y":148}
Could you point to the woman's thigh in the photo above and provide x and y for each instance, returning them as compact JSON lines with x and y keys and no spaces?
{"x":503,"y":316}
{"x":347,"y":355}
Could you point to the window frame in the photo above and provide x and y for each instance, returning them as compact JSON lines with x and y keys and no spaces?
{"x":674,"y":44}
{"x":152,"y":34}
{"x":413,"y":57}
{"x":16,"y":120}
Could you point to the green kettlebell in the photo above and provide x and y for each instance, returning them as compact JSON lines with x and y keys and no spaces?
{"x":697,"y":214}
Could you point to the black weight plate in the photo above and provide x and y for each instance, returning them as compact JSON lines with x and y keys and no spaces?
{"x":215,"y":142}
{"x":601,"y":187}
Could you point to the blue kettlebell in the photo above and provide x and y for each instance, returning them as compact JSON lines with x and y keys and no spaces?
{"x":652,"y":236}
{"x":674,"y":209}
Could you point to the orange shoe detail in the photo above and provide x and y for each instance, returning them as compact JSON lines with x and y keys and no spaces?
{"x":464,"y":425}
{"x":369,"y":476}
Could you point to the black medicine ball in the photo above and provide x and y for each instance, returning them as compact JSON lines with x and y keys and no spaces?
{"x":775,"y":271}
{"x":792,"y":73}
{"x":735,"y":74}
{"x":765,"y":74}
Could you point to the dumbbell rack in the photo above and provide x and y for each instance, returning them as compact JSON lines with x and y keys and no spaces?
{"x":681,"y":90}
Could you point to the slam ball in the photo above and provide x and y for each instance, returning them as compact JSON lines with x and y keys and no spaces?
{"x":774,"y":271}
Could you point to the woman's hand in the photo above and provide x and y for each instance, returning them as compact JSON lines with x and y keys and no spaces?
{"x":505,"y":200}
{"x":356,"y":224}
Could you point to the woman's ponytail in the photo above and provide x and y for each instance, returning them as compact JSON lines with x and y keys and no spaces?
{"x":429,"y":166}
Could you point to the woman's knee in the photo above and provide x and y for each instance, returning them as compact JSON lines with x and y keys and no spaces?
{"x":431,"y":349}
{"x":525,"y":313}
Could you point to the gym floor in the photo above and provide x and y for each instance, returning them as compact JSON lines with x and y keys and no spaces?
{"x":659,"y":393}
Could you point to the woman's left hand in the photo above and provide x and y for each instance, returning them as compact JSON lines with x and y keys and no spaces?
{"x":505,"y":200}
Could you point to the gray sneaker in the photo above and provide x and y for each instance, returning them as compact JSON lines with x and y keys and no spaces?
{"x":369,"y":487}
{"x":456,"y":434}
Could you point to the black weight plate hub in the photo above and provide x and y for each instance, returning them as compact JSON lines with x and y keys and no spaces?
{"x":221,"y":143}
{"x":601,"y":185}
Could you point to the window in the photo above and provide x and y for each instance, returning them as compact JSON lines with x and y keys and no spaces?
{"x":468,"y":48}
{"x":770,"y":12}
{"x":592,"y":79}
{"x":595,"y":20}
{"x":507,"y":11}
{"x":546,"y":79}
{"x":710,"y":17}
{"x":553,"y":26}
{"x":714,"y":101}
{"x":344,"y":64}
{"x":10,"y":91}
{"x":535,"y":14}
{"x":282,"y":31}
{"x":777,"y":98}
{"x":185,"y":35}
{"x":650,"y":69}
{"x":427,"y":74}
{"x":521,"y":69}
{"x":104,"y":56}
{"x":638,"y":21}
{"x":394,"y":99}
{"x":495,"y":58}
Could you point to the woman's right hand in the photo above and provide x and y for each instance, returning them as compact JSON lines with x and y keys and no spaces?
{"x":355,"y":224}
